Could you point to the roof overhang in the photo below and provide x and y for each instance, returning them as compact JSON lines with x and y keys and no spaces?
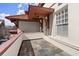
{"x":35,"y":13}
{"x":18,"y":17}
{"x":23,"y":17}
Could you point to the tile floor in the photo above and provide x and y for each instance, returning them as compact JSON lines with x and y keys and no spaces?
{"x":40,"y":47}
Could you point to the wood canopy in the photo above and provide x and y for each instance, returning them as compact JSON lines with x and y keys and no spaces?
{"x":39,"y":12}
{"x":35,"y":13}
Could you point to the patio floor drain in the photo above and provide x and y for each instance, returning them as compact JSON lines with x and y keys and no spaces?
{"x":26,"y":49}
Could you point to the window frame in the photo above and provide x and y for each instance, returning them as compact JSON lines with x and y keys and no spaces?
{"x":62,"y":20}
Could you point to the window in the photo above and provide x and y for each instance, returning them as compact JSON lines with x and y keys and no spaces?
{"x":62,"y":22}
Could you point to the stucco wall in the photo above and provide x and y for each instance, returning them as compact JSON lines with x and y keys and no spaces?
{"x":14,"y":48}
{"x":73,"y":22}
{"x":29,"y":26}
{"x":57,"y":8}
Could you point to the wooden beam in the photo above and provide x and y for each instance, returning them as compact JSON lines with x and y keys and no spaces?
{"x":41,"y":4}
{"x":52,"y":5}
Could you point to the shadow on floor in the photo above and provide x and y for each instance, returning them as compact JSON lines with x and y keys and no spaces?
{"x":40,"y":47}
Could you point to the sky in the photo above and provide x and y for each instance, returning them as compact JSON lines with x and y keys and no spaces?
{"x":12,"y":8}
{"x":7,"y":9}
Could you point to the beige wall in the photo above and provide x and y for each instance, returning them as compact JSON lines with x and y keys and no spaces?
{"x":73,"y":22}
{"x":57,"y":8}
{"x":53,"y":30}
{"x":29,"y":26}
{"x":14,"y":48}
{"x":73,"y":29}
